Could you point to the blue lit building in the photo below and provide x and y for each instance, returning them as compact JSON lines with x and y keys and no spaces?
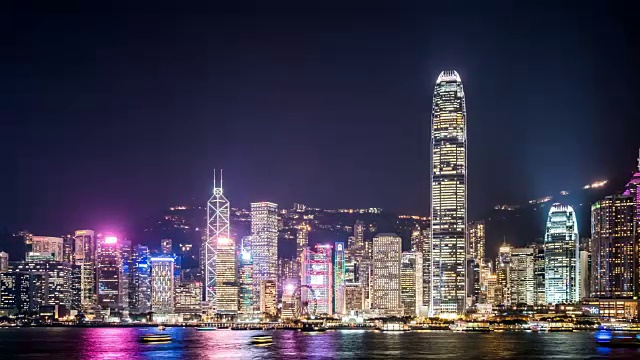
{"x":561,"y":254}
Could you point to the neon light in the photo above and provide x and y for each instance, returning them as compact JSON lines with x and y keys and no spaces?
{"x":110,"y":240}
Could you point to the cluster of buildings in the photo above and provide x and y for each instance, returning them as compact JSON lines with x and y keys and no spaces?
{"x":444,"y":270}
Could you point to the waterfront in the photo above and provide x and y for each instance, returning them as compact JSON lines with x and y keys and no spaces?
{"x":122,"y":343}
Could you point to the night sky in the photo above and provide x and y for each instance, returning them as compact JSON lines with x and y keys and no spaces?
{"x":111,"y":114}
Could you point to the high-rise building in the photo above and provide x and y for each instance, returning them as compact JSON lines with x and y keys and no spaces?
{"x":44,"y":248}
{"x":365,"y":269}
{"x":188,"y":297}
{"x":448,"y":196}
{"x":127,"y":265}
{"x":67,"y":248}
{"x":356,"y":248}
{"x":302,"y":242}
{"x":50,"y":281}
{"x":318,"y":270}
{"x":268,"y":301}
{"x":140,"y":280}
{"x":387,"y":257}
{"x":288,"y":303}
{"x":264,"y":244}
{"x":166,"y":246}
{"x":339,"y":278}
{"x":246,"y":300}
{"x":162,"y":285}
{"x":614,"y":247}
{"x":426,"y":268}
{"x":521,"y":276}
{"x":561,"y":256}
{"x":217,"y":230}
{"x":227,"y":280}
{"x":353,"y":297}
{"x":503,"y":268}
{"x":477,"y":239}
{"x":539,"y":273}
{"x":109,"y":273}
{"x":85,"y":256}
{"x":411,"y":282}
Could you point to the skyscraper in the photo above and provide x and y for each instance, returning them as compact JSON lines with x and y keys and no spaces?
{"x":521,"y":276}
{"x":477,"y":239}
{"x":561,"y":256}
{"x":140,"y":280}
{"x":4,"y":261}
{"x":411,"y":282}
{"x":109,"y":273}
{"x":246,"y":303}
{"x":217,"y":228}
{"x":166,"y":245}
{"x":264,"y":244}
{"x":162,"y":285}
{"x":613,"y":245}
{"x":268,"y":301}
{"x":503,"y":268}
{"x":339,"y":278}
{"x":387,"y":256}
{"x":448,"y":195}
{"x":44,"y":248}
{"x":85,"y":257}
{"x":318,"y":273}
{"x":302,"y":241}
{"x":227,"y":280}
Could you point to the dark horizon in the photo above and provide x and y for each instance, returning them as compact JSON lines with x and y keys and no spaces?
{"x":114,"y":114}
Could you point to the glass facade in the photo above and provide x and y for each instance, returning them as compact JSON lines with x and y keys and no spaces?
{"x":385,"y":278}
{"x":264,"y":243}
{"x":448,"y":196}
{"x":561,"y":256}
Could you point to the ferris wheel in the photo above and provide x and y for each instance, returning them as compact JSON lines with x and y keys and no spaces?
{"x":305,"y":303}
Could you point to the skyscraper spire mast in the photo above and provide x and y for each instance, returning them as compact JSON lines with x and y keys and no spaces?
{"x":217,"y":228}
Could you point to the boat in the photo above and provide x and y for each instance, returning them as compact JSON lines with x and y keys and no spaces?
{"x":307,"y":327}
{"x":206,"y":328}
{"x":561,"y":326}
{"x":616,"y":339}
{"x":394,"y":327}
{"x":162,"y":328}
{"x":155,"y":338}
{"x":261,"y":339}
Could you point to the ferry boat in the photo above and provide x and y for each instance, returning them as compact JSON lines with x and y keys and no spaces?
{"x":308,"y":327}
{"x":613,"y":339}
{"x":155,"y":338}
{"x":206,"y":328}
{"x":261,"y":339}
{"x":469,"y":326}
{"x":561,"y":326}
{"x":162,"y":328}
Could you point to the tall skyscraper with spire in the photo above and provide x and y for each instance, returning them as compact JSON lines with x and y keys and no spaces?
{"x":448,"y":196}
{"x":217,"y":231}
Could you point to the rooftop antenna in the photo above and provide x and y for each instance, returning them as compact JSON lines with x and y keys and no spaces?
{"x":638,"y":159}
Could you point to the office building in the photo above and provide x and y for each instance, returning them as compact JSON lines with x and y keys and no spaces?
{"x":561,"y":256}
{"x":140,"y":280}
{"x":477,"y":239}
{"x":448,"y":196}
{"x":339,"y":269}
{"x":227,"y":281}
{"x":44,"y":248}
{"x":387,"y":257}
{"x":522,"y":276}
{"x":503,"y":268}
{"x":85,"y":256}
{"x":365,"y":270}
{"x":4,"y":261}
{"x":353,"y":297}
{"x":318,"y":270}
{"x":218,"y":229}
{"x":247,"y":304}
{"x":109,"y":273}
{"x":264,"y":243}
{"x":411,"y":282}
{"x":302,"y":242}
{"x":49,"y":282}
{"x":539,"y":273}
{"x":162,"y":285}
{"x":614,"y":248}
{"x":188,"y":297}
{"x":268,"y":301}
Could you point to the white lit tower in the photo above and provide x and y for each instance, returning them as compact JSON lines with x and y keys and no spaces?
{"x":217,"y":228}
{"x":448,"y":196}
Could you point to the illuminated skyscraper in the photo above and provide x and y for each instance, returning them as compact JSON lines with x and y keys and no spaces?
{"x":318,"y":271}
{"x":448,"y":195}
{"x":4,"y":261}
{"x":365,"y":269}
{"x":162,"y":285}
{"x":521,"y":276}
{"x":561,"y":256}
{"x":356,"y":248}
{"x":264,"y":244}
{"x":302,"y":242}
{"x":188,"y":298}
{"x":268,"y":301}
{"x":246,"y":301}
{"x":613,"y":245}
{"x":339,"y":278}
{"x":85,"y":257}
{"x":387,"y":256}
{"x":503,"y":268}
{"x":140,"y":280}
{"x":217,"y":228}
{"x":227,"y":280}
{"x":477,"y":239}
{"x":109,"y":273}
{"x":411,"y":282}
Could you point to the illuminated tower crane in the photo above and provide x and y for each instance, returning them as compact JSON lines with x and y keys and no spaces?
{"x":217,"y":228}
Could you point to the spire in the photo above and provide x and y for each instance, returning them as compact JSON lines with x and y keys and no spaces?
{"x":638,"y":159}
